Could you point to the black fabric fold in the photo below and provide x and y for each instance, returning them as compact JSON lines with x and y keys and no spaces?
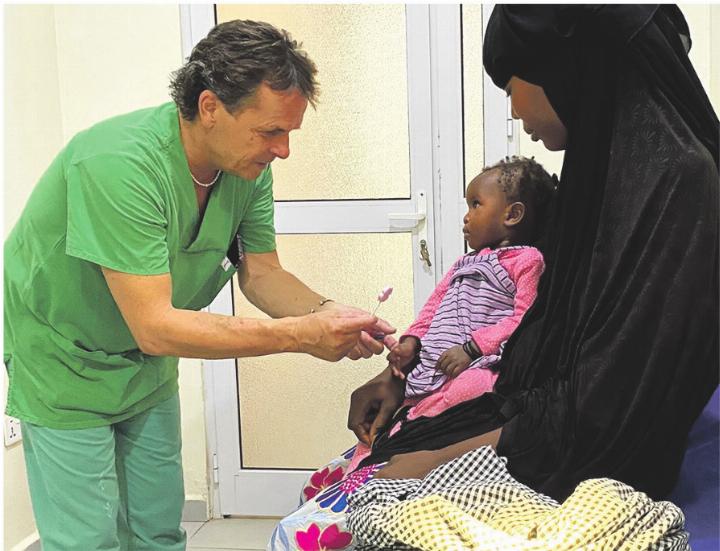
{"x":484,"y":414}
{"x":619,"y":354}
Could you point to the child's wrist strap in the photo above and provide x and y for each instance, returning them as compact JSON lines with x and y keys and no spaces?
{"x":472,"y":350}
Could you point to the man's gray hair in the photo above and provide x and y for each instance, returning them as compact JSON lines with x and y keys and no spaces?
{"x":234,"y":59}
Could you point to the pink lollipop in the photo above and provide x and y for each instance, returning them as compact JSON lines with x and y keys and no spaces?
{"x":382,"y":297}
{"x":384,"y":294}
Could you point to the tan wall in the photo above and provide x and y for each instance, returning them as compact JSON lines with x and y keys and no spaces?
{"x":33,"y":134}
{"x":704,"y":23}
{"x":67,"y":67}
{"x":715,"y":57}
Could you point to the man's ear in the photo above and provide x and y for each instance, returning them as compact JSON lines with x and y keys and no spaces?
{"x":208,"y":105}
{"x":514,"y":213}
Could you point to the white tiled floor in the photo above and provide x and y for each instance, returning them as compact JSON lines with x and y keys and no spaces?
{"x":231,"y":534}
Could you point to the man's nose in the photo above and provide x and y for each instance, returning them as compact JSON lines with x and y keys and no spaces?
{"x":281,"y":147}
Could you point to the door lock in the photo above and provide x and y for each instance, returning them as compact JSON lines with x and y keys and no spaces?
{"x":424,"y":254}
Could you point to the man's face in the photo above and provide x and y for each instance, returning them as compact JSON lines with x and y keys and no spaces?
{"x":244,"y":143}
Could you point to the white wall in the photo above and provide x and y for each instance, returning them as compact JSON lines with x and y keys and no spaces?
{"x":67,"y":67}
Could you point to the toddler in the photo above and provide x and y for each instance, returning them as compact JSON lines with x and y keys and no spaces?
{"x":483,"y":297}
{"x":445,"y":355}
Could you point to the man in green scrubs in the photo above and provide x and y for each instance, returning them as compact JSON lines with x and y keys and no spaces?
{"x":136,"y":225}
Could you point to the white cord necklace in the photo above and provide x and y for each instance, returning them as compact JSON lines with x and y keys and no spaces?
{"x":219,"y":172}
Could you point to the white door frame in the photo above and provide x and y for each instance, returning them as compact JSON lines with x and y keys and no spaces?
{"x":499,"y":128}
{"x":436,"y":167}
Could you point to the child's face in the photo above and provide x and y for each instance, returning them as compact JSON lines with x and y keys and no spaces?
{"x":483,"y":225}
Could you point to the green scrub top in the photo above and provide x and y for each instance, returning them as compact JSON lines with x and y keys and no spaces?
{"x":119,"y":195}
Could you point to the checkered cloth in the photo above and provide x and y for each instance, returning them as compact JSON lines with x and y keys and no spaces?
{"x":473,"y":503}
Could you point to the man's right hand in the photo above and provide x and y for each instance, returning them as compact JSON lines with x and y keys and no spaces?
{"x":331,"y":334}
{"x":373,"y":404}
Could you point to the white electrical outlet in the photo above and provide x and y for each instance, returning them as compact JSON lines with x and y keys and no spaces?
{"x":13,"y":434}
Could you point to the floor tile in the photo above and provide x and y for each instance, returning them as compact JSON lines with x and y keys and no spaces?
{"x":191,"y":528}
{"x":233,"y":534}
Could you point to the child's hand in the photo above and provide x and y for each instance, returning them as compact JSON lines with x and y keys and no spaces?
{"x":402,"y":354}
{"x":453,"y":361}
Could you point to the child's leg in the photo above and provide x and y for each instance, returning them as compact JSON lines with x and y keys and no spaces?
{"x":470,"y":384}
{"x":149,"y":467}
{"x":73,"y":487}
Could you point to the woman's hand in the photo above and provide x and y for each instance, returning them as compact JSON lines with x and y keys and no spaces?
{"x":373,"y":404}
{"x":453,"y":361}
{"x":411,"y":465}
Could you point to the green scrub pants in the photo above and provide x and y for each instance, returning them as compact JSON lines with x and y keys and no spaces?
{"x":112,"y":488}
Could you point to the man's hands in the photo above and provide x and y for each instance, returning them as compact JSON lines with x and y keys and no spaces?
{"x":367,"y":345}
{"x":331,"y":334}
{"x":402,"y":355}
{"x":453,"y":361}
{"x":373,"y":404}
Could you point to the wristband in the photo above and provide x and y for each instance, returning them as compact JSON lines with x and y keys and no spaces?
{"x":471,"y":349}
{"x":321,"y":303}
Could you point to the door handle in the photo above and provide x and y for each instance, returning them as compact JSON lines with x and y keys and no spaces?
{"x":405,"y":221}
{"x":408,"y":221}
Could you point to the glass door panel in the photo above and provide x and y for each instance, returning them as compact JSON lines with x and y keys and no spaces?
{"x":293,"y":406}
{"x":355,"y":145}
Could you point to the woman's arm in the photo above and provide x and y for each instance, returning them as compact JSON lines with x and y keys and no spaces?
{"x":419,"y":464}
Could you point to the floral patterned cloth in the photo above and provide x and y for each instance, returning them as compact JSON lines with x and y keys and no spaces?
{"x":319,"y":523}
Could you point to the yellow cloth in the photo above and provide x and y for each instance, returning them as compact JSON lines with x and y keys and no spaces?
{"x":600,"y":514}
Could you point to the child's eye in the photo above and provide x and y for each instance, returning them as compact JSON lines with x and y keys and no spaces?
{"x":475,"y":204}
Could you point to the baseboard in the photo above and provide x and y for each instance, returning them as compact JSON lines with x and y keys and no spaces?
{"x":194,"y":510}
{"x":30,"y":543}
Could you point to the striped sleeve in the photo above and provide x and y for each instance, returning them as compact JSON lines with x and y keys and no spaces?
{"x":525,"y":269}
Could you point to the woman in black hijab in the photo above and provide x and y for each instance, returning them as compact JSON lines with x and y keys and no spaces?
{"x":619,"y":354}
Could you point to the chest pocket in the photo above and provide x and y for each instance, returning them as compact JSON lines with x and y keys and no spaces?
{"x":235,"y":252}
{"x":199,"y":274}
